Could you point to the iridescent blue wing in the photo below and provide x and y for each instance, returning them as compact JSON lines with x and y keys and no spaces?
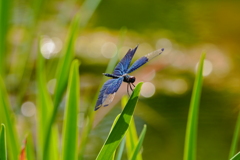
{"x":123,"y":65}
{"x":141,"y":61}
{"x":107,"y":92}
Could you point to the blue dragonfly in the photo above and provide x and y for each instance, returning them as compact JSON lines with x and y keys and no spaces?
{"x":121,"y":74}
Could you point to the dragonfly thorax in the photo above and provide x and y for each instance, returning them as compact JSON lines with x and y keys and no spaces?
{"x":128,"y":79}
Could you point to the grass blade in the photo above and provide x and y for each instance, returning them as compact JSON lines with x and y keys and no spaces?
{"x":139,"y":144}
{"x":120,"y":149}
{"x":62,"y":76}
{"x":44,"y":103}
{"x":3,"y":146}
{"x":114,"y":122}
{"x":87,"y":10}
{"x":30,"y":147}
{"x":191,"y":132}
{"x":70,"y":139}
{"x":91,"y":112}
{"x":131,"y":136}
{"x":120,"y":127}
{"x":65,"y":62}
{"x":236,"y":157}
{"x":233,"y":148}
{"x":4,"y":20}
{"x":7,"y":117}
{"x":54,"y":142}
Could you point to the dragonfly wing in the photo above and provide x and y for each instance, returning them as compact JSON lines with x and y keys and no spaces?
{"x":107,"y":92}
{"x":123,"y":65}
{"x":141,"y":61}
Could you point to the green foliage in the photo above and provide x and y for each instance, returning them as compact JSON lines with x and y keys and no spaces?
{"x":4,"y":20}
{"x":70,"y":119}
{"x":139,"y":144}
{"x":234,"y":144}
{"x":44,"y":103}
{"x":120,"y":149}
{"x":3,"y":146}
{"x":43,"y":143}
{"x":91,"y":112}
{"x":7,"y":117}
{"x":62,"y":76}
{"x":30,"y":147}
{"x":236,"y":157}
{"x":131,"y":136}
{"x":120,"y":127}
{"x":191,"y":133}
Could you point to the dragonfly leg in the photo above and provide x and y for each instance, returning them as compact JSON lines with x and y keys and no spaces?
{"x":128,"y":89}
{"x":131,"y":86}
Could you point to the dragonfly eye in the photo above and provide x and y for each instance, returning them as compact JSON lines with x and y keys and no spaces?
{"x":132,"y":79}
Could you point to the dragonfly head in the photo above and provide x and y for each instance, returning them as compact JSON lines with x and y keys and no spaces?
{"x":129,"y":79}
{"x":132,"y":79}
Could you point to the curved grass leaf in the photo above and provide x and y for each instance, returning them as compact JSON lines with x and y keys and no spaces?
{"x":87,"y":10}
{"x":139,"y":144}
{"x":191,"y":132}
{"x":54,"y":142}
{"x":120,"y":127}
{"x":7,"y":117}
{"x":65,"y":62}
{"x":44,"y":105}
{"x":91,"y":112}
{"x":62,"y":76}
{"x":236,"y":157}
{"x":131,"y":136}
{"x":121,"y":149}
{"x":3,"y":146}
{"x":114,"y":122}
{"x":30,"y":147}
{"x":4,"y":21}
{"x":70,"y":118}
{"x":234,"y":144}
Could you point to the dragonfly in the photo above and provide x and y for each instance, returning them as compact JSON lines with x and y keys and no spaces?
{"x":121,"y":74}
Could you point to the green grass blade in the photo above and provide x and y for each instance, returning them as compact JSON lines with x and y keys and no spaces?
{"x":44,"y":103}
{"x":121,"y":149}
{"x":30,"y":148}
{"x":114,"y":122}
{"x":65,"y":62}
{"x":7,"y":117}
{"x":37,"y":6}
{"x":234,"y":144}
{"x":70,"y":128}
{"x":120,"y":127}
{"x":62,"y":75}
{"x":131,"y":136}
{"x":3,"y":146}
{"x":191,"y":131}
{"x":4,"y":20}
{"x":236,"y":157}
{"x":139,"y":144}
{"x":54,"y":142}
{"x":87,"y":10}
{"x":91,"y":112}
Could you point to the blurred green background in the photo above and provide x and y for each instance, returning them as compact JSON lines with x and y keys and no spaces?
{"x":183,"y":28}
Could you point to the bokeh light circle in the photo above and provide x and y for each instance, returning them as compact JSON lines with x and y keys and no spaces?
{"x":148,"y":89}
